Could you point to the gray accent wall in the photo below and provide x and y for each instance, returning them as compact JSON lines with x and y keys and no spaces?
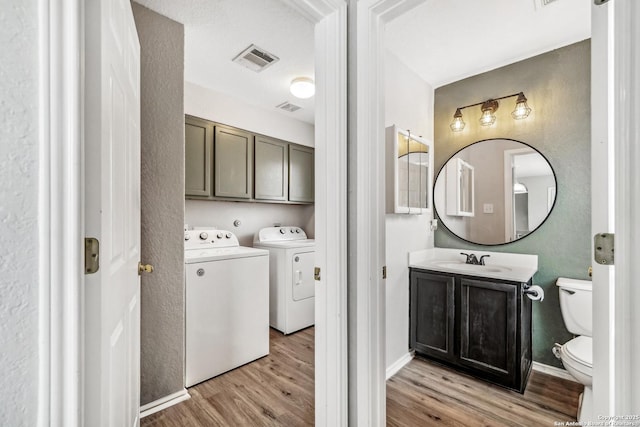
{"x":162,"y":199}
{"x":557,"y":85}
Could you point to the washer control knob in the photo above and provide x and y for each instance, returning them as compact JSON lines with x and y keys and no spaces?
{"x":219,"y":236}
{"x":186,"y":236}
{"x":228,"y":235}
{"x":282,"y":231}
{"x":203,"y":236}
{"x":291,"y":230}
{"x":297,"y":230}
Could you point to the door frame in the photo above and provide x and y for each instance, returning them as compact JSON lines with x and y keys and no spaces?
{"x":61,"y":75}
{"x":366,"y":206}
{"x":509,"y":155}
{"x":60,"y":213}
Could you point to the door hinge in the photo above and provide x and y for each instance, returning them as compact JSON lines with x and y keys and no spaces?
{"x":384,"y":271}
{"x":603,"y":245}
{"x":91,"y":255}
{"x":316,"y":273}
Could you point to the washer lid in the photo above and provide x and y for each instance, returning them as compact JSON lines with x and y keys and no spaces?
{"x":581,"y":349}
{"x":307,"y":243}
{"x":204,"y":255}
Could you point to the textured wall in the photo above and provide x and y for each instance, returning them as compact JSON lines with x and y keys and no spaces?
{"x":162,"y":187}
{"x":408,"y":104}
{"x":557,"y":85}
{"x":19,"y":213}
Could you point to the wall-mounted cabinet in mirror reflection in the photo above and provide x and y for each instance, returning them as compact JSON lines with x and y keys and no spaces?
{"x":495,"y":191}
{"x":409,"y":165}
{"x":460,"y":190}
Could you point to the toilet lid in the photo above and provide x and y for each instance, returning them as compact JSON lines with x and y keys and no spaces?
{"x":580,"y":349}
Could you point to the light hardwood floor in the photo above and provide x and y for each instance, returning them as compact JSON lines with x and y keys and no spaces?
{"x":278,"y":390}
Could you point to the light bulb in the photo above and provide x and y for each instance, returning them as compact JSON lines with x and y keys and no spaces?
{"x":522,"y":110}
{"x":457,"y":124}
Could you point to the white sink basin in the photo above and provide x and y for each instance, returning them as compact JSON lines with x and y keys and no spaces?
{"x":471,"y":268}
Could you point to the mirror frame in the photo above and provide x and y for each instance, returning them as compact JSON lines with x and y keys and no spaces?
{"x":442,"y":170}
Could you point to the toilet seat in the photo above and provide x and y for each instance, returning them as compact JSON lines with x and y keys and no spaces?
{"x":580,"y":349}
{"x":577,"y":355}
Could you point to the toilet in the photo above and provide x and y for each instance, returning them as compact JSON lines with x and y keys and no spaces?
{"x":577,"y":355}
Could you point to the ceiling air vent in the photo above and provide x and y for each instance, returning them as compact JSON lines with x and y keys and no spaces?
{"x":543,"y":3}
{"x":287,"y":106}
{"x":255,"y":58}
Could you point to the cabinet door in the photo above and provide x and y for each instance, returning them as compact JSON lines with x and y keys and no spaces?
{"x":198,"y":139}
{"x":432,"y":314}
{"x":301,"y":174}
{"x":271,"y":169}
{"x":488,"y":325}
{"x":233,"y":157}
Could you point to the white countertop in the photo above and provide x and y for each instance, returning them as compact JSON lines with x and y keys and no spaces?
{"x":499,"y":265}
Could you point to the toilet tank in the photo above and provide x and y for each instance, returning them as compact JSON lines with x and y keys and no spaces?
{"x":575,"y":304}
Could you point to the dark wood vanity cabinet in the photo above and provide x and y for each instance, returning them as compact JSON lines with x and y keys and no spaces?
{"x":478,"y":325}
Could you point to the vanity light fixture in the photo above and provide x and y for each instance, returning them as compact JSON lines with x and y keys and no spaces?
{"x":302,"y":87}
{"x":489,"y":108}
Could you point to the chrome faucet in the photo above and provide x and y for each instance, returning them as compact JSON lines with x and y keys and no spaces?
{"x":472,"y":259}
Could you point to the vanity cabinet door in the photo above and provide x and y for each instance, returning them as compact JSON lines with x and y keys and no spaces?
{"x":488,"y":328}
{"x":233,"y":158}
{"x":198,"y":137}
{"x":432,"y":314}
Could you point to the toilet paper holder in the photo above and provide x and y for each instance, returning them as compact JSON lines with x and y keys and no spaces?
{"x":537,"y":293}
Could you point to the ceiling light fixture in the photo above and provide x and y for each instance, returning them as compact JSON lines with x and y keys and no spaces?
{"x":489,"y":108}
{"x":302,"y":87}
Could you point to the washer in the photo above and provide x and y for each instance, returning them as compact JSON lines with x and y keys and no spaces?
{"x":291,"y":283}
{"x":226,"y":309}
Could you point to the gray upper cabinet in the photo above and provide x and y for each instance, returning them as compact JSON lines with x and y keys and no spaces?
{"x":198,"y":156}
{"x":233,"y":157}
{"x":301,"y":174}
{"x":271,"y":169}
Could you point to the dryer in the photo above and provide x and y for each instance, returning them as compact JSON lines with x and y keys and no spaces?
{"x":226,"y":309}
{"x":291,"y":282}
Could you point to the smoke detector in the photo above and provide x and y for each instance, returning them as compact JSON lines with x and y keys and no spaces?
{"x":287,"y":106}
{"x":255,"y":58}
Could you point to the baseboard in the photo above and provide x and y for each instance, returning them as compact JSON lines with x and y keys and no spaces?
{"x":552,"y":370}
{"x":164,"y":402}
{"x":399,"y":364}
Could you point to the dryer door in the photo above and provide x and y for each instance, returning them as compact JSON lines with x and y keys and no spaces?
{"x":302,"y":269}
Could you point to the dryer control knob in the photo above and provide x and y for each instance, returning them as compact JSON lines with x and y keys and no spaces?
{"x":219,"y":236}
{"x":203,"y":236}
{"x":186,"y":236}
{"x":291,"y":230}
{"x":228,"y":236}
{"x":282,"y":231}
{"x":297,"y":230}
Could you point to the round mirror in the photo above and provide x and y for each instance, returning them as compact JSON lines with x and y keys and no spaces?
{"x":494,"y":191}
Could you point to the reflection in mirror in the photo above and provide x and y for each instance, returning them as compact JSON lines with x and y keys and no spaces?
{"x":410,"y":172}
{"x":510,"y":185}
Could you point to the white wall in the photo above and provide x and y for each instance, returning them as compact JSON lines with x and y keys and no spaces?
{"x":212,"y":105}
{"x":252,"y":216}
{"x":221,"y":108}
{"x":19,"y":172}
{"x":408,"y":104}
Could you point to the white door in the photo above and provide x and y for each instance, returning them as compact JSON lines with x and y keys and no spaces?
{"x":112,"y":214}
{"x":615,"y":205}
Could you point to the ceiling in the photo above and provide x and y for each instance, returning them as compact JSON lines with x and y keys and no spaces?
{"x":442,"y":41}
{"x":217,"y":30}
